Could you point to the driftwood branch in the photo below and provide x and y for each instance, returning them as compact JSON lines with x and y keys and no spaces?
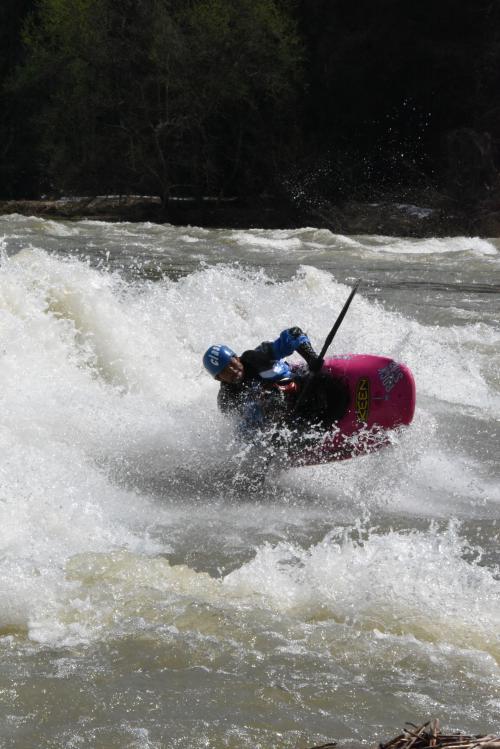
{"x":429,"y":736}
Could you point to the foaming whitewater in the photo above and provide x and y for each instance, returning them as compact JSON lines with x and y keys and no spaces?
{"x":382,"y":583}
{"x":132,"y":544}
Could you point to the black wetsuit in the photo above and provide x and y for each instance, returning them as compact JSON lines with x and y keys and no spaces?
{"x":326,"y":401}
{"x":234,"y":397}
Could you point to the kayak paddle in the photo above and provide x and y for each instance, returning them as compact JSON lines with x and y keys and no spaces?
{"x":320,"y":361}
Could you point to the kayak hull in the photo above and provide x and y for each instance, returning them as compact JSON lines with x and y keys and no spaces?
{"x":382,"y":398}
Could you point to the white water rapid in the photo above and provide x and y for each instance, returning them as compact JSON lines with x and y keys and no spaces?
{"x":146,"y":598}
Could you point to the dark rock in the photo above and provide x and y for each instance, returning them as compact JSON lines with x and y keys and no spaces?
{"x":421,"y":214}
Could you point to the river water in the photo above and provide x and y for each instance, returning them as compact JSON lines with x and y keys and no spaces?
{"x":147,"y":598}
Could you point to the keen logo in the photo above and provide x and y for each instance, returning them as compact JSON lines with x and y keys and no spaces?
{"x":362,"y":402}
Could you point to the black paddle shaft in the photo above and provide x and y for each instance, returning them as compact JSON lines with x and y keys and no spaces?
{"x":339,"y":319}
{"x":328,"y":340}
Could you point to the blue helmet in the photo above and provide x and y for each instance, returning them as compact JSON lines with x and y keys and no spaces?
{"x":217,"y":358}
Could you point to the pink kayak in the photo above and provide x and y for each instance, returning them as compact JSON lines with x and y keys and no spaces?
{"x":381,"y":398}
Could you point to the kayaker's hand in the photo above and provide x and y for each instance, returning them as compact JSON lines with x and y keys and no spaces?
{"x":289,"y":341}
{"x":316,"y":364}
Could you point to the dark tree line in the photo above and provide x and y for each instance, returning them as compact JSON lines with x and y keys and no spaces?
{"x":328,"y":98}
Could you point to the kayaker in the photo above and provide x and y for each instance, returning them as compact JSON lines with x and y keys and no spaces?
{"x":259,"y":385}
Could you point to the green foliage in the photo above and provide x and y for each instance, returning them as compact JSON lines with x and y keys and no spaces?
{"x":232,"y":96}
{"x":154,"y":94}
{"x":17,"y":140}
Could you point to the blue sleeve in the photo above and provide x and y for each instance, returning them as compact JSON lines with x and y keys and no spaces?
{"x":288,"y":342}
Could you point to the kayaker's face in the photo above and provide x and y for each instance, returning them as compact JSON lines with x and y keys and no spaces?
{"x":232,"y":373}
